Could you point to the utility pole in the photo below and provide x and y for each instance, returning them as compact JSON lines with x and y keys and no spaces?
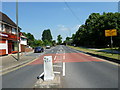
{"x":18,"y":56}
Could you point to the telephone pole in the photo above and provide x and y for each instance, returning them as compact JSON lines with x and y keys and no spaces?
{"x":18,"y":56}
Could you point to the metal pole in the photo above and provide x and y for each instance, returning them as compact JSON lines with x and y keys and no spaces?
{"x":18,"y":56}
{"x":111,"y":45}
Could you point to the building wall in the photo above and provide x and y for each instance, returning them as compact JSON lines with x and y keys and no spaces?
{"x":8,"y":35}
{"x":3,"y":47}
{"x":8,"y":39}
{"x":23,"y":42}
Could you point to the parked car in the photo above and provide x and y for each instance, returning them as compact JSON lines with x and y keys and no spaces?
{"x":38,"y":49}
{"x":48,"y":47}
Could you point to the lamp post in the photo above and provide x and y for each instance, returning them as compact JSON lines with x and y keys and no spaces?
{"x":18,"y":56}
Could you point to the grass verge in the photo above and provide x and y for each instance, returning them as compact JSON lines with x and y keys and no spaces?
{"x":97,"y":52}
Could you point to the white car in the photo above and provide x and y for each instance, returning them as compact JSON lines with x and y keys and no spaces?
{"x":48,"y":47}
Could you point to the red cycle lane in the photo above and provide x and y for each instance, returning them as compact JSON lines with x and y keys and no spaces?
{"x":67,"y":57}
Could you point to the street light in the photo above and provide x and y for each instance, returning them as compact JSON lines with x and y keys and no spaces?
{"x":18,"y":56}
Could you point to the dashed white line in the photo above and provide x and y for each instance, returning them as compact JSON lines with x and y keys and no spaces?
{"x":56,"y":66}
{"x":63,"y":68}
{"x":57,"y":72}
{"x":64,"y":56}
{"x":55,"y":57}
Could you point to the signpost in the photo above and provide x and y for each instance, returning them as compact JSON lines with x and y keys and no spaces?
{"x":111,"y":33}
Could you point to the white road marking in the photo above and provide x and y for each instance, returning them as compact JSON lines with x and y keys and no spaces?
{"x":55,"y":57}
{"x":64,"y":56}
{"x":107,"y":61}
{"x":56,"y":66}
{"x":63,"y":68}
{"x":57,"y":72}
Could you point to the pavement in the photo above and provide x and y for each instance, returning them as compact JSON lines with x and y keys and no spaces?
{"x":10,"y":61}
{"x":107,"y":51}
{"x":79,"y":70}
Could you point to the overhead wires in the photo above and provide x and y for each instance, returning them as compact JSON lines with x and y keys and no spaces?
{"x":77,"y":18}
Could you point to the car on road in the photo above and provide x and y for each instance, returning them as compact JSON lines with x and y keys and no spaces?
{"x":48,"y":47}
{"x":38,"y":49}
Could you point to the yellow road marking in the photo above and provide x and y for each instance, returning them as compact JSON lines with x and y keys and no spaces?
{"x":18,"y":67}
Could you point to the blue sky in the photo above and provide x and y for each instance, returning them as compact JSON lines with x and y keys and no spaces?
{"x":34,"y":17}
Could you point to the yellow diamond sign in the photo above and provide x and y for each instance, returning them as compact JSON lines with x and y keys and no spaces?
{"x":112,"y":32}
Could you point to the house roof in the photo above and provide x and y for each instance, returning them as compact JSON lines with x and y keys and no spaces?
{"x":6,"y":19}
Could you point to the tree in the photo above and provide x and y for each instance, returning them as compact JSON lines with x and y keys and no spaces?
{"x":46,"y":35}
{"x":92,"y":33}
{"x":59,"y":39}
{"x":37,"y":43}
{"x":53,"y":42}
{"x":68,"y":40}
{"x":46,"y":42}
{"x":30,"y":39}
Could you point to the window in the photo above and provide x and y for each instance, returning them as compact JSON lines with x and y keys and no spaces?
{"x":8,"y":29}
{"x":14,"y":46}
{"x":14,"y":31}
{"x":2,"y":27}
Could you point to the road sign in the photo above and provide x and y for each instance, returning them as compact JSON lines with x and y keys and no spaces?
{"x":48,"y":68}
{"x":112,"y":32}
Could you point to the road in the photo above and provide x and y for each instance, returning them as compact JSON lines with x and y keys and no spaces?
{"x":80,"y":71}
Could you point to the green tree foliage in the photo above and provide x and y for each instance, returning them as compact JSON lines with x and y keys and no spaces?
{"x":92,"y":33}
{"x":37,"y":43}
{"x":59,"y":39}
{"x":46,"y":35}
{"x":53,"y":42}
{"x":30,"y":38}
{"x":68,"y":40}
{"x":46,"y":42}
{"x":32,"y":41}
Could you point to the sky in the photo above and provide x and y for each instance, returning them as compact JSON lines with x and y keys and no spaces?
{"x":62,"y":18}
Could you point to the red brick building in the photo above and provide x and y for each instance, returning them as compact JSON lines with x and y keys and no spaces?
{"x":8,"y":35}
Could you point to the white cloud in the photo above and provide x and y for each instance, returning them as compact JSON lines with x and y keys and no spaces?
{"x":63,"y":28}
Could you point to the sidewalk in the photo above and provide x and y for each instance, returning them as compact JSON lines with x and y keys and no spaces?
{"x":107,"y":51}
{"x":110,"y":51}
{"x":96,"y":53}
{"x":10,"y":61}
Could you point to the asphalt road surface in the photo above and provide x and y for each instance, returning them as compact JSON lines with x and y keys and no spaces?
{"x":80,"y":71}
